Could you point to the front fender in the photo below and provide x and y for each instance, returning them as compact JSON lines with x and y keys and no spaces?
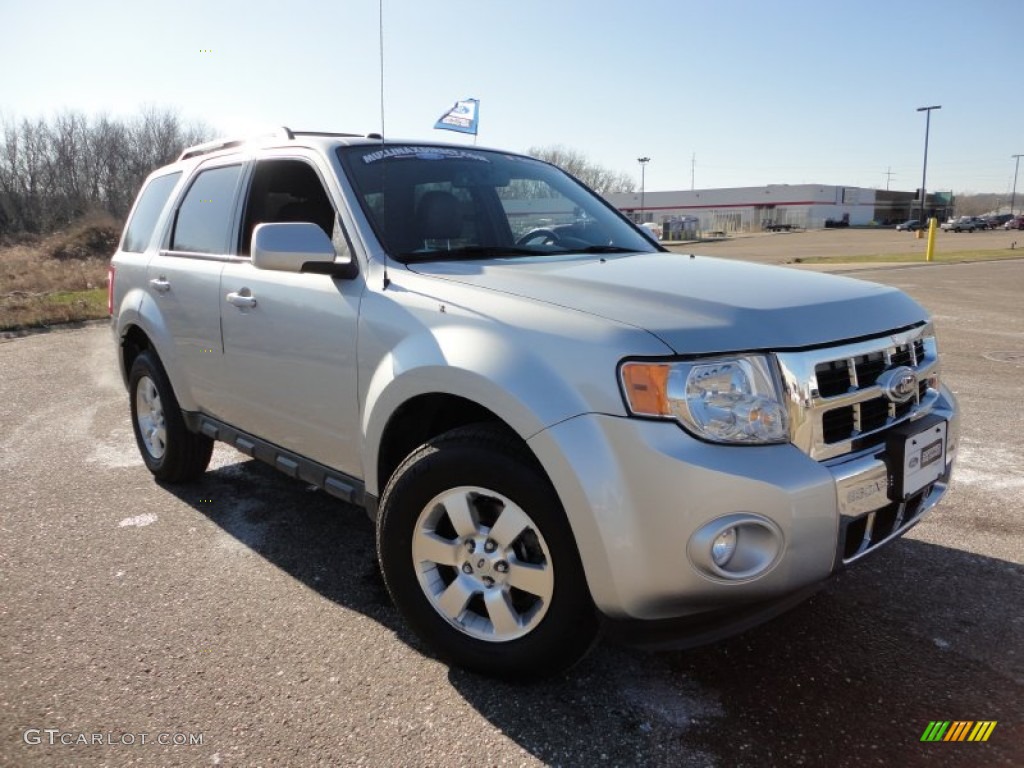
{"x":489,"y":369}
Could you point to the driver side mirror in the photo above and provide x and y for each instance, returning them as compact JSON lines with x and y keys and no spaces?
{"x":297,"y":247}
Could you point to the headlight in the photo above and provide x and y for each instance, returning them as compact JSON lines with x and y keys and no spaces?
{"x":725,"y":400}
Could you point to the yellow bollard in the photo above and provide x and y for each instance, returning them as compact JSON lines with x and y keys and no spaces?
{"x":930,"y":248}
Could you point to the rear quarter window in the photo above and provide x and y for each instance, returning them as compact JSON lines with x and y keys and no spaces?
{"x":152,"y":200}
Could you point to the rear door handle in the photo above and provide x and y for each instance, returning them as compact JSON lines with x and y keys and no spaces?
{"x":160,"y":284}
{"x":240,"y":299}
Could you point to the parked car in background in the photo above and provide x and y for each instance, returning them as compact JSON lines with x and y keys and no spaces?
{"x":909,"y":226}
{"x":1017,"y":222}
{"x":996,"y":220}
{"x":963,"y":224}
{"x":652,"y":230}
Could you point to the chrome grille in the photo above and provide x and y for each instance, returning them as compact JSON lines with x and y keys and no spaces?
{"x":836,"y":404}
{"x":859,"y":535}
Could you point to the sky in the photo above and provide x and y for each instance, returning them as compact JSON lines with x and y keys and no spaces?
{"x":719,"y":93}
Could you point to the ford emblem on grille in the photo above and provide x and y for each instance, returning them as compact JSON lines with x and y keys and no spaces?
{"x":899,"y":384}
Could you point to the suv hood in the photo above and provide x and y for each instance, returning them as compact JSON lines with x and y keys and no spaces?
{"x":698,"y":305}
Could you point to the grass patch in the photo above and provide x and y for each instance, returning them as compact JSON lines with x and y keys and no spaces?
{"x":23,"y":310}
{"x":916,"y":258}
{"x":61,"y":278}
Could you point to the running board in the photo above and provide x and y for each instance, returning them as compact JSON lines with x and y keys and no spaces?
{"x":337,"y":484}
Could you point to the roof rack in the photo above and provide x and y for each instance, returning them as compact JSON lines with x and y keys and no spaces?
{"x":284,"y":132}
{"x":328,"y":134}
{"x":227,"y":143}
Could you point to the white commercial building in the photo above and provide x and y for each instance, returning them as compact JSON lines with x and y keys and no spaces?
{"x":753,"y":209}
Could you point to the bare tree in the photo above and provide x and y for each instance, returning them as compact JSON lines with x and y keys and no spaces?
{"x":602,"y":180}
{"x":975,"y":204}
{"x":53,"y":171}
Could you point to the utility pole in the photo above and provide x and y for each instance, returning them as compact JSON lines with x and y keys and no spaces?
{"x":924,"y":172}
{"x":888,"y":176}
{"x":643,"y":167}
{"x":693,"y":169}
{"x":1013,"y":195}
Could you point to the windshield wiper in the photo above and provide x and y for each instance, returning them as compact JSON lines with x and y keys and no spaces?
{"x":500,"y":251}
{"x":603,"y":249}
{"x":473,"y":252}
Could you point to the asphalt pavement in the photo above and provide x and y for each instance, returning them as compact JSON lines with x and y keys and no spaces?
{"x":242,"y":621}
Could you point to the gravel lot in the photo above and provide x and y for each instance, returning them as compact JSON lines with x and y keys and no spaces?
{"x":247,"y":611}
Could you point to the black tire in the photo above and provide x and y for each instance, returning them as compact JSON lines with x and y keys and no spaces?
{"x":488,"y":467}
{"x":171,"y":452}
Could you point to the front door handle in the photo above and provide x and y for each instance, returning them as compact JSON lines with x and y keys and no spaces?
{"x":241,"y":298}
{"x":160,"y":284}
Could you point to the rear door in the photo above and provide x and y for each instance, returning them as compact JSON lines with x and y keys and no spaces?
{"x":289,"y":338}
{"x":184,"y":280}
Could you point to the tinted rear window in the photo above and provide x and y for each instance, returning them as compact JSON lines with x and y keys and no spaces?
{"x":151,"y":203}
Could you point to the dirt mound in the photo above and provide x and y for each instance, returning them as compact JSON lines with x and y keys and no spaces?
{"x":90,"y":237}
{"x":14,"y":239}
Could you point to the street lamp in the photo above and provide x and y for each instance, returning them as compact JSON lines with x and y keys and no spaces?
{"x":924,"y":173}
{"x":1013,"y":195}
{"x":643,"y":166}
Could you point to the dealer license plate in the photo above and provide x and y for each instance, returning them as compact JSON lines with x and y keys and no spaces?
{"x":924,"y":458}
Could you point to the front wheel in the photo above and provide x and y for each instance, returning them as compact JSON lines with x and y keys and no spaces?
{"x":170,"y":451}
{"x":479,"y":557}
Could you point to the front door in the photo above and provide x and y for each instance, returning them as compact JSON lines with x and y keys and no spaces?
{"x":290,"y":339}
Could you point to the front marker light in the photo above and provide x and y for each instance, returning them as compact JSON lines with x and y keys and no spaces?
{"x":725,"y":400}
{"x":646,"y":386}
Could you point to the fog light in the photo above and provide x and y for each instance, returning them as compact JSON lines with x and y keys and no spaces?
{"x":724,"y":547}
{"x":738,"y":547}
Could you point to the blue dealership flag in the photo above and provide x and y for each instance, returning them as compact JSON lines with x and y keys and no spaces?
{"x":463,"y":117}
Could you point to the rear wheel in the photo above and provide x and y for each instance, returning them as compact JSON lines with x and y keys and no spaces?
{"x":479,"y":557}
{"x":171,"y":452}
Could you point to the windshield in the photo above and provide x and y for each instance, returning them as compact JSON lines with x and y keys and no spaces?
{"x":432,"y":202}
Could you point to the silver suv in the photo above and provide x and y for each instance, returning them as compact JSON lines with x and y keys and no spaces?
{"x":557,"y":425}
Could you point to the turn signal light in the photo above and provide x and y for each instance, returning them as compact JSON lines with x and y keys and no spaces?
{"x":646,"y":387}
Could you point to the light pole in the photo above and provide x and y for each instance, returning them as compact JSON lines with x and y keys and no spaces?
{"x":1013,"y":195}
{"x":924,"y":173}
{"x":643,"y":167}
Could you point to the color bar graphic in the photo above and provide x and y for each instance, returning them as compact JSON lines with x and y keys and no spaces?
{"x":958,"y":730}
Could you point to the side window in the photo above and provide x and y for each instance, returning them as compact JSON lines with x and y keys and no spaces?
{"x":205,"y":215}
{"x":285,"y":190}
{"x":151,"y":202}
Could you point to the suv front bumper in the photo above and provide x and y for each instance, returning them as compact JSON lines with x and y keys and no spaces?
{"x":638,"y":493}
